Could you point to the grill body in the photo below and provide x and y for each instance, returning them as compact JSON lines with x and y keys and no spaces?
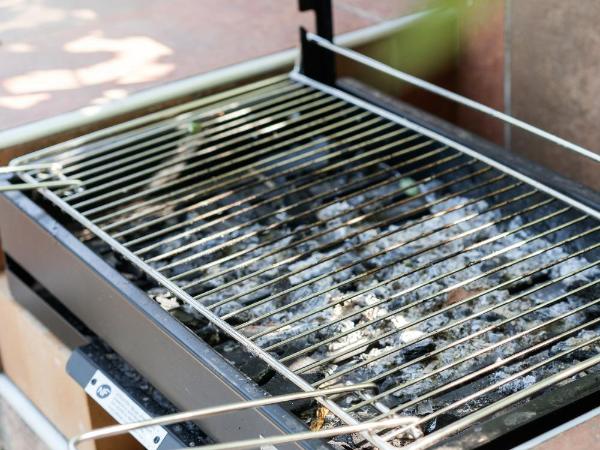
{"x":175,"y":360}
{"x":179,"y":364}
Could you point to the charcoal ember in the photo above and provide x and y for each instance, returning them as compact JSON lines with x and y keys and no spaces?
{"x":309,"y":268}
{"x":419,"y":349}
{"x":334,"y":211}
{"x":340,"y":445}
{"x":401,"y":210}
{"x":589,"y":294}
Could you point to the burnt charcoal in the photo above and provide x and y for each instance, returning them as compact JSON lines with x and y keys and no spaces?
{"x":439,"y":422}
{"x":278,"y":385}
{"x":528,"y":282}
{"x":419,"y":349}
{"x":492,"y":316}
{"x":338,"y":445}
{"x":589,"y":294}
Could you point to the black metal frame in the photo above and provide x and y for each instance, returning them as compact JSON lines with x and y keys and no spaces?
{"x":178,"y":363}
{"x":317,"y":62}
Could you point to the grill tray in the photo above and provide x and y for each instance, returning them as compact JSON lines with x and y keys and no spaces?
{"x":351,"y":234}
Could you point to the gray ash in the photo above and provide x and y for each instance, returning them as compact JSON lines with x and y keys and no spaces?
{"x":466,"y":237}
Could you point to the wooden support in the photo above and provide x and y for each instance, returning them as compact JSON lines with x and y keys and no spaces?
{"x":34,"y":359}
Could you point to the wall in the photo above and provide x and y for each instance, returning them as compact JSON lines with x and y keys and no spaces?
{"x":555,"y":77}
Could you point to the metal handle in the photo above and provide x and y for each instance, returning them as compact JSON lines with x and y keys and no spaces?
{"x":51,"y":167}
{"x":116,"y":430}
{"x":415,"y":81}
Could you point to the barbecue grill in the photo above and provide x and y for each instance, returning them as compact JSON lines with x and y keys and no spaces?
{"x":302,"y":233}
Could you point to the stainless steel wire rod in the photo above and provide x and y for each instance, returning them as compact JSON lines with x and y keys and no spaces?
{"x":381,"y":223}
{"x":308,"y":200}
{"x":254,"y":174}
{"x":243,"y":148}
{"x":415,"y":81}
{"x":420,"y":251}
{"x":388,"y":249}
{"x":503,"y":403}
{"x":332,"y":256}
{"x":422,"y":319}
{"x":271,"y":441}
{"x":38,"y":185}
{"x":316,"y":223}
{"x":341,"y":191}
{"x":352,"y":221}
{"x":145,"y":127}
{"x":171,"y":167}
{"x":259,"y":179}
{"x":499,"y":363}
{"x":437,"y":278}
{"x":174,"y":152}
{"x":99,"y":162}
{"x":117,"y":430}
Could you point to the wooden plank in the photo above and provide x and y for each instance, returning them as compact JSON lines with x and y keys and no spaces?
{"x":35,"y":361}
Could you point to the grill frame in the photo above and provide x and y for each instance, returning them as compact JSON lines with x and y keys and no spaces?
{"x":129,"y":321}
{"x":476,"y":154}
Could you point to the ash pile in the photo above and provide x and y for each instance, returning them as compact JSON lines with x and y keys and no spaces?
{"x":434,"y":278}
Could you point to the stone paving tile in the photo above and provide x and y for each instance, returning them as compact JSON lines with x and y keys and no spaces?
{"x":57,"y":57}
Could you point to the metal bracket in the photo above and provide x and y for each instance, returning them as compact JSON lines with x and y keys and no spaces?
{"x":52,"y":168}
{"x":315,"y":61}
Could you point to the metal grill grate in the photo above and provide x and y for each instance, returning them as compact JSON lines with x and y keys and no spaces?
{"x":343,"y":247}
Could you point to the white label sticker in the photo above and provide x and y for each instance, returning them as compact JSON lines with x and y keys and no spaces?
{"x":124,"y":410}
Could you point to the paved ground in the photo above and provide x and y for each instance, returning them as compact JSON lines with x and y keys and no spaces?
{"x":60,"y":55}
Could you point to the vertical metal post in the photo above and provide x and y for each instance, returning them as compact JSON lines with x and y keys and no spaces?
{"x":316,"y":62}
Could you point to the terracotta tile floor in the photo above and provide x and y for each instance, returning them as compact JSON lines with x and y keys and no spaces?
{"x":60,"y":55}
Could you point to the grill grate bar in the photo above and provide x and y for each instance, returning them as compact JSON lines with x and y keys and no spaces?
{"x":246,"y":147}
{"x":100,"y":161}
{"x":441,"y":292}
{"x":251,"y":168}
{"x":300,"y":189}
{"x":329,"y":230}
{"x":260,"y":178}
{"x":422,"y":319}
{"x":264,"y":126}
{"x":291,"y":219}
{"x":512,"y":399}
{"x":468,"y":299}
{"x":170,"y":150}
{"x":107,"y":140}
{"x":423,"y":250}
{"x":395,"y":246}
{"x":503,"y":361}
{"x":294,"y":218}
{"x":357,"y":232}
{"x":498,"y":384}
{"x":302,"y":255}
{"x":330,"y":237}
